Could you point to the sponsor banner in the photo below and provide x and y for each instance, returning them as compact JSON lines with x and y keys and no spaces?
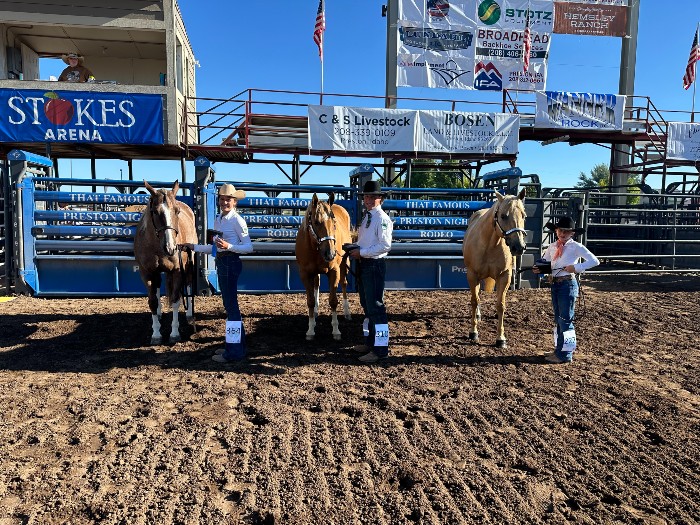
{"x":340,"y":128}
{"x":467,"y":132}
{"x":413,"y":38}
{"x":434,"y":70}
{"x":511,"y":14}
{"x":438,"y":13}
{"x":568,"y":110}
{"x":507,"y":44}
{"x":574,"y":18}
{"x":596,"y":2}
{"x":495,"y":75}
{"x":441,"y":43}
{"x":683,"y":141}
{"x":31,"y":115}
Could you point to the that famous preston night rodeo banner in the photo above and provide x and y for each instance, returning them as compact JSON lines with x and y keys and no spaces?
{"x":80,"y":117}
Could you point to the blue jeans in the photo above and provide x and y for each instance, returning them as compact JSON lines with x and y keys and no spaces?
{"x":564,"y":296}
{"x":371,"y":284}
{"x":228,"y":268}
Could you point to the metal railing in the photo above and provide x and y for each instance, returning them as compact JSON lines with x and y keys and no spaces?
{"x":660,"y":233}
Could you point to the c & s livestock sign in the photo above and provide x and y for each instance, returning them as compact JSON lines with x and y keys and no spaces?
{"x":79,"y":116}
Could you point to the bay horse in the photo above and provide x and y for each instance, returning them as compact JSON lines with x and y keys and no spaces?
{"x":493,"y":238}
{"x":323,"y":231}
{"x":164,"y":225}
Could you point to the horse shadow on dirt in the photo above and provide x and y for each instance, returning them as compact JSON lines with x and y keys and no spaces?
{"x":642,"y":282}
{"x":96,"y":343}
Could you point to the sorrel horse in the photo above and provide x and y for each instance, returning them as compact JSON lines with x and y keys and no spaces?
{"x":165,"y":224}
{"x":323,"y":232}
{"x":493,"y":238}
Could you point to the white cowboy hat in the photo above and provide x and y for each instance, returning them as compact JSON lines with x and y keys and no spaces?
{"x":230,"y":189}
{"x":72,"y":55}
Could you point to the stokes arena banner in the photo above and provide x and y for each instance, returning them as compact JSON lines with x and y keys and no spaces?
{"x":683,"y":141}
{"x":80,"y":116}
{"x":568,"y":110}
{"x":339,"y":128}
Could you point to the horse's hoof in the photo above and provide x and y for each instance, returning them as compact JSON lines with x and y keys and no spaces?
{"x":309,"y":337}
{"x":175,"y":339}
{"x":474,"y":337}
{"x":336,"y":337}
{"x":501,"y":343}
{"x":156,"y":341}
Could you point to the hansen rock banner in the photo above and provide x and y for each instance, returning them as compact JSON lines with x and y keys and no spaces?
{"x":683,"y":141}
{"x":568,"y":110}
{"x":340,"y":128}
{"x":30,"y":115}
{"x":472,"y":44}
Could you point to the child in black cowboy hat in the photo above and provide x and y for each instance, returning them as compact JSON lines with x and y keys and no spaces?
{"x":567,"y":258}
{"x":374,"y":241}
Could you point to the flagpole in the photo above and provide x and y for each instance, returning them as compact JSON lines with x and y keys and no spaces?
{"x":695,"y":67}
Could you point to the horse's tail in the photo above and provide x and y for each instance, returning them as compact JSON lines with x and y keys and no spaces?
{"x":489,"y":284}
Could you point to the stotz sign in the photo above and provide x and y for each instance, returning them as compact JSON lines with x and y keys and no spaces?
{"x":79,"y":116}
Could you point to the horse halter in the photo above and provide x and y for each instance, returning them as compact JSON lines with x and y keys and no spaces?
{"x":319,"y":240}
{"x":505,"y":233}
{"x":164,"y":228}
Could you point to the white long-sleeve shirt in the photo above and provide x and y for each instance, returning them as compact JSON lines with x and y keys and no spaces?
{"x":573,"y":252}
{"x":375,"y":240}
{"x":234,"y":231}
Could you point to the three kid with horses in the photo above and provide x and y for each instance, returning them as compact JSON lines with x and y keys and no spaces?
{"x":492,"y":240}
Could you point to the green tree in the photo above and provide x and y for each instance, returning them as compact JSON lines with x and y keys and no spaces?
{"x":434,"y":173}
{"x":599,"y":177}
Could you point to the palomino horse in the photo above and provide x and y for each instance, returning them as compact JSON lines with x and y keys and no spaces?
{"x":165,"y":224}
{"x":323,"y":232}
{"x":494,"y":236}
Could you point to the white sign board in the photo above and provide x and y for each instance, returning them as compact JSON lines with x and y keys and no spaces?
{"x":472,"y":44}
{"x":467,"y":132}
{"x":683,"y":141}
{"x":339,"y":128}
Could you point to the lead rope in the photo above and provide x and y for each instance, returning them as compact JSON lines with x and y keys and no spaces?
{"x":183,"y":287}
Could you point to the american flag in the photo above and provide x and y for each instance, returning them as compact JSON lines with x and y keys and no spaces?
{"x":527,"y":43}
{"x":689,"y":76}
{"x":320,"y":27}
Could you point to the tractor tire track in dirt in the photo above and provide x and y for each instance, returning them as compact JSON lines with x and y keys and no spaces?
{"x":99,"y":427}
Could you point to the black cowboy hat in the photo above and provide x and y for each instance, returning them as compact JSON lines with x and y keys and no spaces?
{"x":373,"y":187}
{"x":564,"y":223}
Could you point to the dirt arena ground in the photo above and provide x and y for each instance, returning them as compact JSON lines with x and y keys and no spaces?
{"x":99,"y":427}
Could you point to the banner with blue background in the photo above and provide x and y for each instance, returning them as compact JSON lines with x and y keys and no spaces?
{"x":34,"y":115}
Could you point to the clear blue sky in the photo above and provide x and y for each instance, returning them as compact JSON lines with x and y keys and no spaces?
{"x":268,"y":45}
